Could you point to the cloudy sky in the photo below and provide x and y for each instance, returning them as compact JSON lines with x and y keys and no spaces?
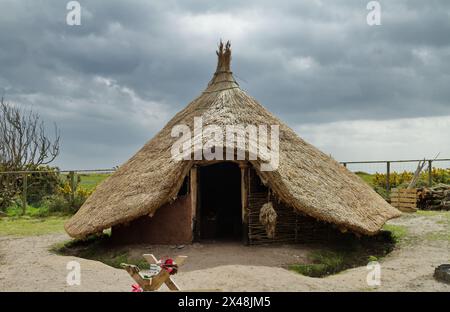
{"x":357,"y":92}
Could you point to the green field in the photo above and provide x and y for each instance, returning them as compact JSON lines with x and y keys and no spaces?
{"x":26,"y":226}
{"x":367,"y":177}
{"x":90,"y":181}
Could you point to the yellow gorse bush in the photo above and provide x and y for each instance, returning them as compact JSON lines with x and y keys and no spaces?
{"x":66,"y":191}
{"x":439,"y":175}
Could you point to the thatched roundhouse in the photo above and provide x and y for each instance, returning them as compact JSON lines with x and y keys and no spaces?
{"x":158,"y":199}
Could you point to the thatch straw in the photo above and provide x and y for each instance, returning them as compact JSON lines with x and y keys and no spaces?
{"x":268,"y":218}
{"x":306,"y":179}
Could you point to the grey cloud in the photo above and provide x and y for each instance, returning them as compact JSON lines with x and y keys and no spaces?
{"x":308,"y":62}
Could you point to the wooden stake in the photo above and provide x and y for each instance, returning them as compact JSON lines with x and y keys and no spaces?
{"x":24,"y":193}
{"x":388,"y":175}
{"x":244,"y":201}
{"x":193,"y":189}
{"x":430,"y":173}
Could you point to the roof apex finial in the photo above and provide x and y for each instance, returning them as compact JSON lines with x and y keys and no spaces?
{"x":223,"y":57}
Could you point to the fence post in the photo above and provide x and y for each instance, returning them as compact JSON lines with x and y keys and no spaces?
{"x":345,"y":165}
{"x":430,"y":173}
{"x":72,"y":187}
{"x":24,"y":193}
{"x":388,"y":174}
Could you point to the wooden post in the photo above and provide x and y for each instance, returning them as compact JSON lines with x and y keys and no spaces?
{"x":244,"y":201}
{"x":345,"y":165}
{"x":296,"y":226}
{"x":24,"y":193}
{"x":72,"y":187}
{"x":430,"y":173}
{"x":388,"y":174}
{"x":193,"y":189}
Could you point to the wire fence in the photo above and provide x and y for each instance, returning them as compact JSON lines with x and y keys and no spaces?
{"x":30,"y":187}
{"x":33,"y":186}
{"x":390,"y":167}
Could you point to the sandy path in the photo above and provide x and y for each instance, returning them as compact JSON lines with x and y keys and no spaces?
{"x":27,"y":265}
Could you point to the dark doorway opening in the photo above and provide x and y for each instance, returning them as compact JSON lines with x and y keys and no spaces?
{"x":220,"y":202}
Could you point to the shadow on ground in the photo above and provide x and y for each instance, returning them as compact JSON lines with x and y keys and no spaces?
{"x":316,"y":259}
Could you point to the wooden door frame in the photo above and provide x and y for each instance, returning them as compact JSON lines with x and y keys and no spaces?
{"x":195,"y":190}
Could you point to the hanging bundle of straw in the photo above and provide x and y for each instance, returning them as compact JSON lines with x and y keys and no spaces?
{"x":268,"y":218}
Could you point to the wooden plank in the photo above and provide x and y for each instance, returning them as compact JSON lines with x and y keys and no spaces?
{"x":403,"y":200}
{"x":193,"y":189}
{"x":405,"y":204}
{"x":150,"y":258}
{"x":172,"y":285}
{"x":407,"y":207}
{"x":159,"y":279}
{"x":404,"y":191}
{"x":133,"y":270}
{"x":404,"y":195}
{"x":244,"y":201}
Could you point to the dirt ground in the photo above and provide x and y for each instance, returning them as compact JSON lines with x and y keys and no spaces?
{"x":26,"y":264}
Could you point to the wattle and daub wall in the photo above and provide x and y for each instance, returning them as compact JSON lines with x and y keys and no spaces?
{"x":173,"y":224}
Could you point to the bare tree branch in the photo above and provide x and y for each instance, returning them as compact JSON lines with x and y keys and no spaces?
{"x":24,"y":142}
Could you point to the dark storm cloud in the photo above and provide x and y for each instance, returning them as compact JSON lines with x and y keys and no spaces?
{"x":112,"y":82}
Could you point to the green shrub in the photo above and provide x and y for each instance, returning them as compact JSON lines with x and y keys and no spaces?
{"x":60,"y":204}
{"x":39,"y":185}
{"x":42,"y":184}
{"x":324,"y":263}
{"x":57,"y":204}
{"x":16,"y":210}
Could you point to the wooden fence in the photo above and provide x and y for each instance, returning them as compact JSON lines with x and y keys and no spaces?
{"x":71,"y":174}
{"x":388,"y":167}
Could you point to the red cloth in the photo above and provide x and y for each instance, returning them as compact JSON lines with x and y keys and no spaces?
{"x":136,"y":288}
{"x":170,"y":266}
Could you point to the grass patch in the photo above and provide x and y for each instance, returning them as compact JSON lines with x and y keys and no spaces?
{"x":367,"y":177}
{"x":90,"y":181}
{"x":27,"y":226}
{"x":398,"y":232}
{"x":438,"y":236}
{"x":348,"y":254}
{"x":325,"y":263}
{"x":32,"y":211}
{"x":99,"y":248}
{"x":15,"y":211}
{"x":427,"y":213}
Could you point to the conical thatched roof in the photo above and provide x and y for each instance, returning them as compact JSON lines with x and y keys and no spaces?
{"x":306,"y":179}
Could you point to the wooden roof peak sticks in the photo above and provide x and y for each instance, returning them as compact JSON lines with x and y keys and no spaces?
{"x":224,"y":57}
{"x":223,"y":77}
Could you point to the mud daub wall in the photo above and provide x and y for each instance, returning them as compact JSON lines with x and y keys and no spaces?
{"x":171,"y":224}
{"x":292,"y":227}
